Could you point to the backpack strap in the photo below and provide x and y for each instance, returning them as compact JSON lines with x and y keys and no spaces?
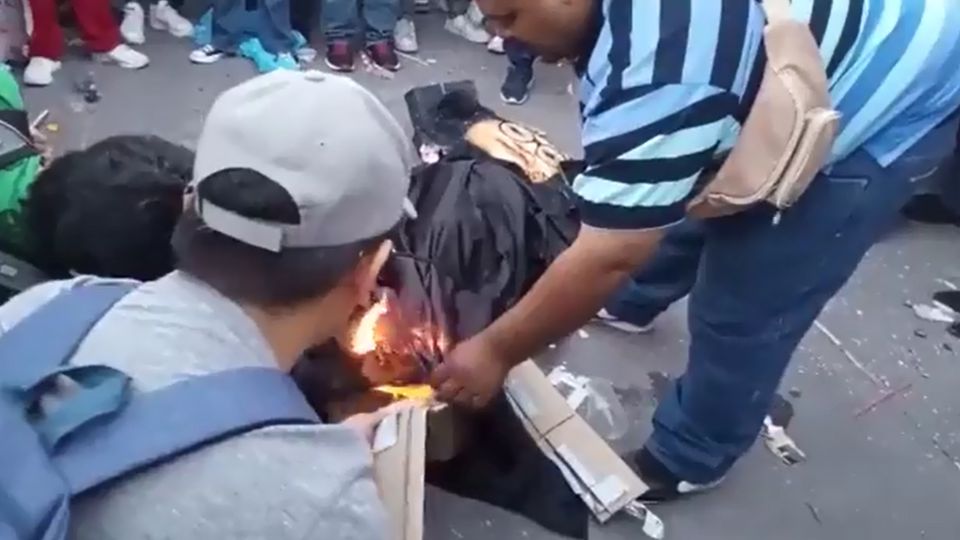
{"x":158,"y":426}
{"x":33,"y":497}
{"x":37,"y":350}
{"x":48,"y":337}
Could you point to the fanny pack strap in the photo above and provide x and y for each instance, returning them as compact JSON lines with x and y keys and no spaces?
{"x":777,"y":10}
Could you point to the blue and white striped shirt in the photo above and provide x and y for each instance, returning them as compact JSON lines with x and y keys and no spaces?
{"x":668,"y":83}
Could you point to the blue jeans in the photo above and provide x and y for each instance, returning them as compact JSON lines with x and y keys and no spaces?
{"x":343,"y":19}
{"x":755,"y":289}
{"x":519,"y":54}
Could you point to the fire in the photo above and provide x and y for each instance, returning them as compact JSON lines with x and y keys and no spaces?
{"x":419,"y":392}
{"x":364,"y":339}
{"x":395,"y":347}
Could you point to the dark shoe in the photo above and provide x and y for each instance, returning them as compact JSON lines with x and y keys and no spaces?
{"x":948,"y":299}
{"x":929,"y":208}
{"x":383,"y":54}
{"x":340,"y":56}
{"x":516,"y":88}
{"x":664,"y":485}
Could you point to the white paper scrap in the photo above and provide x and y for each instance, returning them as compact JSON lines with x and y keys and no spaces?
{"x":387,"y":433}
{"x":652,"y":525}
{"x":610,"y":490}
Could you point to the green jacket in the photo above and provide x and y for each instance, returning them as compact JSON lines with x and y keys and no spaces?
{"x":15,"y":178}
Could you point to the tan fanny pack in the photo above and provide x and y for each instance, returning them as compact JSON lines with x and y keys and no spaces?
{"x":789,"y":131}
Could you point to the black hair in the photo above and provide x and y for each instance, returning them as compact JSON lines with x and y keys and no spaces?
{"x":110,"y":209}
{"x":248,"y":274}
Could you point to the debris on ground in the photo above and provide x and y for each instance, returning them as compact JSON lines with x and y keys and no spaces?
{"x":305,"y":55}
{"x":87,"y":88}
{"x":372,"y":68}
{"x":885,"y":396}
{"x":52,"y":127}
{"x":427,"y":62}
{"x":594,"y":399}
{"x":849,"y":355}
{"x":652,"y":525}
{"x":815,"y":513}
{"x":777,"y":441}
{"x":920,"y":333}
{"x":948,"y":284}
{"x":933,"y":313}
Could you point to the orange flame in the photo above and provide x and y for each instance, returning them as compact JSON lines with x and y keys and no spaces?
{"x":393,"y":351}
{"x":364,"y":339}
{"x":418,"y":392}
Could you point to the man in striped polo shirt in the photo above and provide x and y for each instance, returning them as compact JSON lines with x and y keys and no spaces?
{"x":665,"y":86}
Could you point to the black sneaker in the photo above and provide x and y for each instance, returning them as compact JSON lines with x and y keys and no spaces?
{"x":340,"y":56}
{"x":383,"y":54}
{"x":516,"y":87}
{"x":664,"y":485}
{"x":948,"y":299}
{"x":929,"y":208}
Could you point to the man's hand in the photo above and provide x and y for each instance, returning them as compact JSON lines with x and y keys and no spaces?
{"x":568,"y":294}
{"x":472,"y":373}
{"x":43,"y":146}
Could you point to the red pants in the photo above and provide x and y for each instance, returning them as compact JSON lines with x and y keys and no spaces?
{"x":97,"y":24}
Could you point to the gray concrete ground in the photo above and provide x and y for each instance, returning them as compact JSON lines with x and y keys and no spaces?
{"x":891,"y":473}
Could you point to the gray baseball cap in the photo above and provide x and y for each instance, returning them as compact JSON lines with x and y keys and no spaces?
{"x":328,"y":141}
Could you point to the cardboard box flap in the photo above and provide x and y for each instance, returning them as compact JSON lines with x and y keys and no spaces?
{"x":608,"y":484}
{"x":537,"y":400}
{"x":593,"y":470}
{"x":398,"y":464}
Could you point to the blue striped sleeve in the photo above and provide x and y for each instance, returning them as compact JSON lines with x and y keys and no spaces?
{"x":645,"y":148}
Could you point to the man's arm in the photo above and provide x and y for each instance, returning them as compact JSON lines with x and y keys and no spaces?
{"x":571,"y":291}
{"x":645,"y":150}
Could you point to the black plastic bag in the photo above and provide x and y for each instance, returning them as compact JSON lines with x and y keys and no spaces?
{"x":484,"y":234}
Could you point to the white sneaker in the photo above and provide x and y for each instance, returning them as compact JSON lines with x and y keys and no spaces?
{"x":206,"y":55}
{"x":495,"y":45}
{"x":40,"y":71}
{"x":132,"y":26}
{"x":165,"y":18}
{"x":421,"y":6}
{"x":125,"y":57}
{"x":405,"y":36}
{"x":463,"y":27}
{"x":608,"y":319}
{"x":475,"y":15}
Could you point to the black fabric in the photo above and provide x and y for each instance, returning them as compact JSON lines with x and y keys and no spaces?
{"x":442,"y":112}
{"x":505,"y":468}
{"x":483,"y":236}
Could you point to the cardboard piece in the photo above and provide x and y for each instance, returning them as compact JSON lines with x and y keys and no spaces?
{"x":399,"y":471}
{"x":592,"y":469}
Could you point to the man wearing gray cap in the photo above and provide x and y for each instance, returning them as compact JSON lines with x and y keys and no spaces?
{"x":299,"y":178}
